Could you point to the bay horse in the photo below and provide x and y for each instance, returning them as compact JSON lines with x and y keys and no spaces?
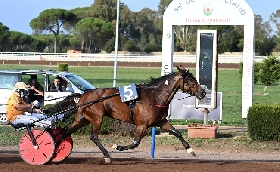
{"x":150,"y":109}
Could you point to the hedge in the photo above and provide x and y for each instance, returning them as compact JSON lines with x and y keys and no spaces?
{"x":264,"y":122}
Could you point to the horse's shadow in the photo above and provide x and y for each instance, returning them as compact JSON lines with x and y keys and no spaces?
{"x":231,"y":134}
{"x":225,"y":135}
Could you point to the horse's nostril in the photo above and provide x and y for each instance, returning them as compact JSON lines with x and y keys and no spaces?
{"x":203,"y":94}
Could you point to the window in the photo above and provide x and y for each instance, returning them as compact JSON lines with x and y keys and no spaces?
{"x":8,"y":80}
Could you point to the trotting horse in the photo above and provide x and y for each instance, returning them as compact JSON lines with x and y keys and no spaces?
{"x":148,"y":110}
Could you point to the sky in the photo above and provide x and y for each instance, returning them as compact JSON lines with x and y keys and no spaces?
{"x":16,"y":14}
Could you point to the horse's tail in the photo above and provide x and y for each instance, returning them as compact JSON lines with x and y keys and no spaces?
{"x":68,"y":103}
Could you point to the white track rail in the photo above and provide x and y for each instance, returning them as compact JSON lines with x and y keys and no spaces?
{"x":33,"y":56}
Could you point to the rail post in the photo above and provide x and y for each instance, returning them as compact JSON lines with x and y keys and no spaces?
{"x":153,"y":145}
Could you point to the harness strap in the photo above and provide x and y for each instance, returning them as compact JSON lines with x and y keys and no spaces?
{"x":131,"y":106}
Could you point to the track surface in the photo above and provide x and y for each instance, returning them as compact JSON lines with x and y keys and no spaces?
{"x":139,"y":161}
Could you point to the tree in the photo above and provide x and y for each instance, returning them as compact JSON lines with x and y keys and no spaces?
{"x":264,"y":42}
{"x":107,"y":10}
{"x":14,"y":40}
{"x":275,"y":18}
{"x":131,"y":46}
{"x":37,"y":45}
{"x":185,"y":34}
{"x":262,"y":29}
{"x":109,"y":46}
{"x":277,"y":44}
{"x":269,"y":71}
{"x":104,"y":10}
{"x":80,"y":13}
{"x":149,"y":48}
{"x":229,"y":42}
{"x":256,"y":71}
{"x":266,"y":46}
{"x":19,"y":41}
{"x":94,"y":32}
{"x":75,"y":43}
{"x":51,"y":20}
{"x":4,"y":36}
{"x":63,"y":43}
{"x":43,"y":42}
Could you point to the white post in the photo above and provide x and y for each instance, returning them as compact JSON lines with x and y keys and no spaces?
{"x":205,"y":112}
{"x":116,"y":44}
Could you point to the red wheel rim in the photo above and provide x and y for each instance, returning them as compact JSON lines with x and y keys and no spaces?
{"x":65,"y":147}
{"x":38,"y":156}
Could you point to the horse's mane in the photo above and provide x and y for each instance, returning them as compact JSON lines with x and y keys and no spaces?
{"x":157,"y":81}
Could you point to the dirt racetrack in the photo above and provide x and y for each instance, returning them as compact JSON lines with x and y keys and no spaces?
{"x":139,"y":160}
{"x":79,"y":164}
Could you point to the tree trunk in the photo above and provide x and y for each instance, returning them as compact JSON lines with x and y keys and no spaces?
{"x":54,"y":45}
{"x":265,"y":88}
{"x":83,"y":45}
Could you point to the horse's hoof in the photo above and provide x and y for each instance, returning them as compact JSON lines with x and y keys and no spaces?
{"x":104,"y":161}
{"x":107,"y":160}
{"x":190,"y":151}
{"x":193,"y":154}
{"x":119,"y":148}
{"x":115,"y":146}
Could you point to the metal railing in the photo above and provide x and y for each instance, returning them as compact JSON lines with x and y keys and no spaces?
{"x":34,"y":56}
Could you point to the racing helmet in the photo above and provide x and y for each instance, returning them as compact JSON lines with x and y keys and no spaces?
{"x":21,"y":89}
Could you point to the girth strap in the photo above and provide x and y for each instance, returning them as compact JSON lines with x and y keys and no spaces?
{"x":131,"y":106}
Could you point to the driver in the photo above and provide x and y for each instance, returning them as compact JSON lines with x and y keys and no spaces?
{"x":19,"y":112}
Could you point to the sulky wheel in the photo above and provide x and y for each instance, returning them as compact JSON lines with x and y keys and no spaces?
{"x":65,"y":147}
{"x":40,"y":155}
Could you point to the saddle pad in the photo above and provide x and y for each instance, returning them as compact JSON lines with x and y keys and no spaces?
{"x":128,"y":93}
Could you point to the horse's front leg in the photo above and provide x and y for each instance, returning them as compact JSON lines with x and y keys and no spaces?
{"x":166,"y":126}
{"x":94,"y":138}
{"x":140,"y":130}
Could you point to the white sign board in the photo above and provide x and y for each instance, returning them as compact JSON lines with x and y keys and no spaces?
{"x":212,"y":12}
{"x":183,"y":108}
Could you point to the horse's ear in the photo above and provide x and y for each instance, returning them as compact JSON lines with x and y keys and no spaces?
{"x":180,"y":68}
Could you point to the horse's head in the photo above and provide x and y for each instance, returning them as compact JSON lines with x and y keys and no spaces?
{"x":189,"y":83}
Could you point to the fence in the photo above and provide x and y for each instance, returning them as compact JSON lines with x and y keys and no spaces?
{"x":34,"y":56}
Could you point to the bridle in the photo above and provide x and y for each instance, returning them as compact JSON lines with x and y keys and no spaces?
{"x":186,"y":78}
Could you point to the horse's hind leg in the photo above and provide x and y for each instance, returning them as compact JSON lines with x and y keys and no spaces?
{"x":166,"y":126}
{"x":78,"y":123}
{"x":140,"y":130}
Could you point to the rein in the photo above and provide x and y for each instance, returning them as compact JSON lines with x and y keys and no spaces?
{"x":185,"y":77}
{"x":161,"y":106}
